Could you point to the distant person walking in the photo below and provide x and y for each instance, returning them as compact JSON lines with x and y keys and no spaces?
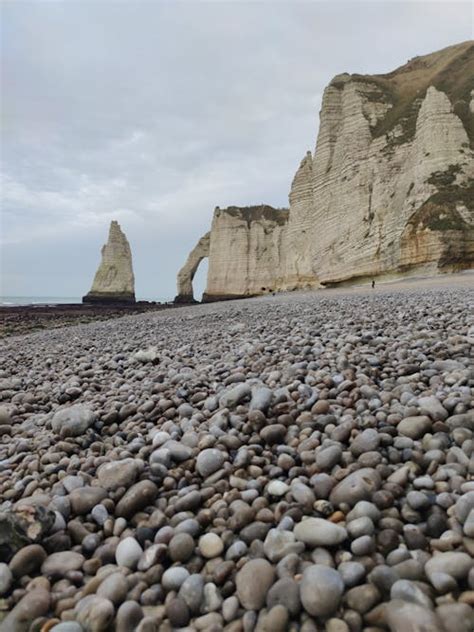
{"x":373,"y":283}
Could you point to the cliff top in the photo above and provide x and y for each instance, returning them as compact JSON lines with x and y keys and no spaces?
{"x":450,"y":70}
{"x":255,"y":213}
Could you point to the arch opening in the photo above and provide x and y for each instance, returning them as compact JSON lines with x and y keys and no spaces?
{"x":188,"y":271}
{"x":199,"y":280}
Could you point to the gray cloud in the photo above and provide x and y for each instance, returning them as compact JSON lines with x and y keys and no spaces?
{"x":153,"y":113}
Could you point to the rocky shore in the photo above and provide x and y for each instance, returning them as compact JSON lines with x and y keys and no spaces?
{"x":23,"y":319}
{"x":296,"y":462}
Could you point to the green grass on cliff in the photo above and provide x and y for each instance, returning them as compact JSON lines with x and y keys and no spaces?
{"x":450,"y":70}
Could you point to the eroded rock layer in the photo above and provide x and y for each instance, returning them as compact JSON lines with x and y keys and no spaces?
{"x":244,"y":248}
{"x":392,"y":174}
{"x":388,"y":191}
{"x":114,"y":281}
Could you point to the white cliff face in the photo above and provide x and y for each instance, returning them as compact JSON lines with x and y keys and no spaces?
{"x":245,"y":251}
{"x":389,"y":189}
{"x":365,"y":189}
{"x":244,"y":248}
{"x":114,"y":280}
{"x":296,"y":265}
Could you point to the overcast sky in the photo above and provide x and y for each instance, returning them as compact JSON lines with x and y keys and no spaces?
{"x":153,"y":113}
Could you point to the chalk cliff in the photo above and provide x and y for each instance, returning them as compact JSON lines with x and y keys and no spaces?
{"x":114,"y":281}
{"x":388,"y":191}
{"x":392,"y":174}
{"x":244,"y":248}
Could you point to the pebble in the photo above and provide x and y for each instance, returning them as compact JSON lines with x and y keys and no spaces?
{"x":402,"y":616}
{"x":35,"y":603}
{"x":360,"y":485}
{"x":84,"y":499}
{"x":277,"y":488}
{"x":456,"y":564}
{"x":300,"y":467}
{"x":321,"y":590}
{"x":319,"y":532}
{"x":414,"y":427}
{"x":210,"y":545}
{"x":136,"y":498}
{"x":286,"y":592}
{"x":6,"y":579}
{"x":117,"y":474}
{"x":129,"y":615}
{"x":72,"y":421}
{"x":253,"y":582}
{"x":192,"y":591}
{"x":61,"y":563}
{"x":128,"y":553}
{"x":174,"y":577}
{"x":279,"y":543}
{"x":114,"y":588}
{"x":181,"y":547}
{"x":95,"y":613}
{"x":28,"y":560}
{"x":209,"y":461}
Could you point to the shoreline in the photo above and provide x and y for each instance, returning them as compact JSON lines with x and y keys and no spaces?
{"x":23,"y":319}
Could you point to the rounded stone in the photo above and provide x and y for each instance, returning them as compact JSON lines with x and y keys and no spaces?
{"x":83,"y":499}
{"x":253,"y":582}
{"x":321,"y":590}
{"x":210,"y":545}
{"x":276,"y":619}
{"x":95,"y":613}
{"x":277,"y":488}
{"x":360,"y":485}
{"x":319,"y":532}
{"x":117,"y":474}
{"x":114,"y":588}
{"x":456,"y":564}
{"x":192,"y":590}
{"x":414,"y":427}
{"x":351,"y":572}
{"x":6,"y":579}
{"x":136,"y":498}
{"x":286,"y":592}
{"x":178,"y":613}
{"x":34,"y":604}
{"x":67,"y":626}
{"x":28,"y":560}
{"x":58,"y":564}
{"x":174,"y":577}
{"x":128,"y":616}
{"x":72,"y":421}
{"x":209,"y":461}
{"x":181,"y":547}
{"x":402,"y":616}
{"x":128,"y":553}
{"x":367,"y":441}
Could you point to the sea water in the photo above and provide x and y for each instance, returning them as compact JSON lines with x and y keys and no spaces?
{"x":10,"y":301}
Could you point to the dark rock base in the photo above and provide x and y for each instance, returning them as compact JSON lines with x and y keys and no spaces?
{"x":185,"y":299}
{"x":109,"y":299}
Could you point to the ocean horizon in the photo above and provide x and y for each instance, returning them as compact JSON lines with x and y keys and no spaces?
{"x":15,"y":301}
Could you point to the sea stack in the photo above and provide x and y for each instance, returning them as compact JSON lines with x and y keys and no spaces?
{"x":114,"y":281}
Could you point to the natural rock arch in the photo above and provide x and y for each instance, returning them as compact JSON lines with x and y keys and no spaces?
{"x":187,"y":272}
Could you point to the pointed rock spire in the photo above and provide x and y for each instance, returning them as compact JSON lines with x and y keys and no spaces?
{"x":114,"y":281}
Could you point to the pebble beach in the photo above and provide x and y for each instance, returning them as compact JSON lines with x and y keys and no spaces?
{"x":297,"y":462}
